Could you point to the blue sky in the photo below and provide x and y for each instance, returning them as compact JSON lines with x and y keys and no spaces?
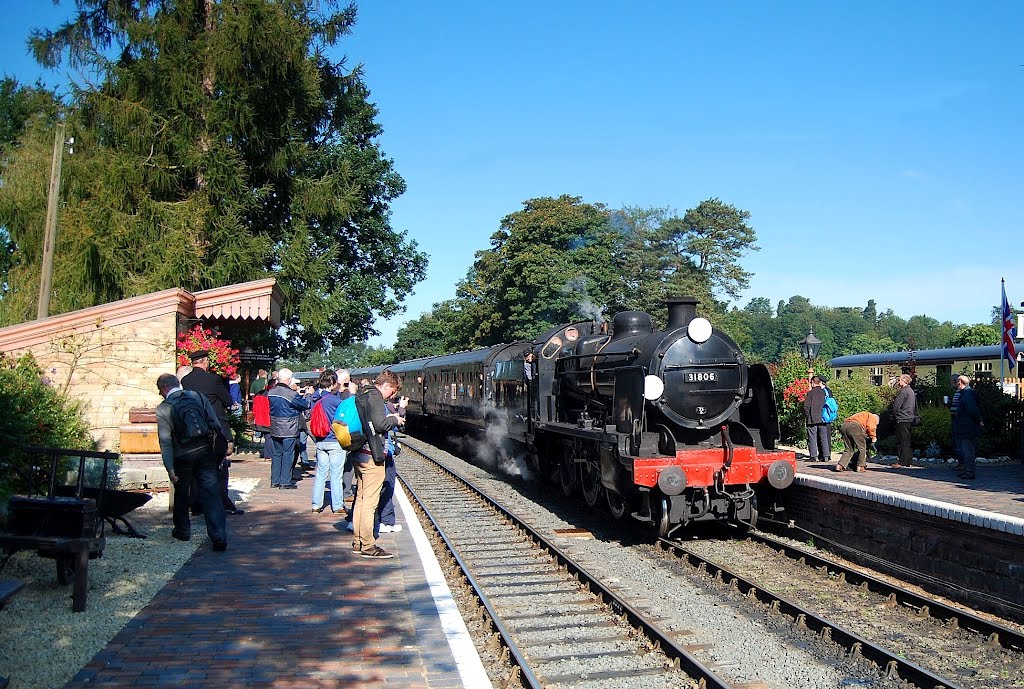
{"x":876,"y":145}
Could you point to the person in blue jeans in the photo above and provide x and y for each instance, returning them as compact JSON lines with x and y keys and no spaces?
{"x":286,"y":407}
{"x":330,"y":458}
{"x":386,"y":507}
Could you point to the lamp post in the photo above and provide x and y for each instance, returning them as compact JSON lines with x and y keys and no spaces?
{"x":809,"y":347}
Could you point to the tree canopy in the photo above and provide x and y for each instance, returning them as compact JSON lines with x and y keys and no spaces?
{"x":215,"y":143}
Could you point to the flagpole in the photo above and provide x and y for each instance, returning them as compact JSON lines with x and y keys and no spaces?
{"x":1002,"y":332}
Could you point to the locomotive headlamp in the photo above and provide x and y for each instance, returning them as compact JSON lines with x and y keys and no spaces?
{"x":654,"y":387}
{"x":699,"y":330}
{"x":672,"y":480}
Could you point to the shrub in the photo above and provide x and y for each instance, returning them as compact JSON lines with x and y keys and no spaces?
{"x":34,"y":413}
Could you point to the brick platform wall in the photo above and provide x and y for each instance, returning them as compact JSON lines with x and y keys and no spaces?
{"x":948,"y":554}
{"x":111,"y":370}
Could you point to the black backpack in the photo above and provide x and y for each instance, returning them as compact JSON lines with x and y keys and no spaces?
{"x":192,"y":431}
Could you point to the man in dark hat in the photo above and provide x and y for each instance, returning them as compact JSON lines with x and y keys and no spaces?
{"x":215,"y":389}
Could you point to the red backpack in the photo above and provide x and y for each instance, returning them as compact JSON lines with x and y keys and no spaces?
{"x":261,"y":413}
{"x":319,"y":424}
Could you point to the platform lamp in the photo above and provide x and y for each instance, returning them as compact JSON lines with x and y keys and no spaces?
{"x":809,"y":347}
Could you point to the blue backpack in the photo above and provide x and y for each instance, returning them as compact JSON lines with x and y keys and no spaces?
{"x":830,"y":412}
{"x":347,"y":427}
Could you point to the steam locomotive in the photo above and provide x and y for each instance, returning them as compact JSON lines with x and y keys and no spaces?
{"x":667,"y":426}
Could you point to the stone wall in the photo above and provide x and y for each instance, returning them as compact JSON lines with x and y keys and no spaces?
{"x":958,"y":560}
{"x":110,"y":369}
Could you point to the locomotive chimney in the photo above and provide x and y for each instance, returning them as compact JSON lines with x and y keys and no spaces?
{"x":681,"y":310}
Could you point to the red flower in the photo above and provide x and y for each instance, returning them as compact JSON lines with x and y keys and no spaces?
{"x":224,"y":360}
{"x":797,"y":390}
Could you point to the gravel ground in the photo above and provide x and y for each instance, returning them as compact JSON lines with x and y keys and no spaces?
{"x":43,"y":644}
{"x":747,"y":643}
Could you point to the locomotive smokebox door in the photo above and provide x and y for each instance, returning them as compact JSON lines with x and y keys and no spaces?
{"x":629,"y":402}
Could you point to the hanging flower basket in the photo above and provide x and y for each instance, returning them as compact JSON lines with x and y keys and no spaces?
{"x":224,"y":360}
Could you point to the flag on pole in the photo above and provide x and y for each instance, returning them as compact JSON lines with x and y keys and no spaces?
{"x":1009,"y":332}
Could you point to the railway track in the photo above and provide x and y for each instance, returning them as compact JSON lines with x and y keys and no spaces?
{"x":559,"y":626}
{"x":912,"y":635}
{"x":775,"y":640}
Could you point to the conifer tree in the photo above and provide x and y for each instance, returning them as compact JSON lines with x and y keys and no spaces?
{"x":216,"y":143}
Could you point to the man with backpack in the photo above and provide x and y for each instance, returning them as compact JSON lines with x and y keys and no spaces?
{"x":330,"y":457}
{"x":819,"y":426}
{"x":369,"y":460}
{"x":187,"y":428}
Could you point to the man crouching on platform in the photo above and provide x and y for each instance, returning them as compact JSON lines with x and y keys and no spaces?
{"x":186,"y":425}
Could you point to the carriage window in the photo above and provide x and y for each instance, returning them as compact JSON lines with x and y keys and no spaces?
{"x":876,"y":375}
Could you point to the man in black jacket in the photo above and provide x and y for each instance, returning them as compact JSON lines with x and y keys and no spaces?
{"x":368,"y":461}
{"x":215,"y":389}
{"x":819,"y":433}
{"x":904,"y":409}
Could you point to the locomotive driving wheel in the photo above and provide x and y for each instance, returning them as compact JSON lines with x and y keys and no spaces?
{"x":662,"y":523}
{"x":617,"y":504}
{"x":590,"y":482}
{"x":567,"y":471}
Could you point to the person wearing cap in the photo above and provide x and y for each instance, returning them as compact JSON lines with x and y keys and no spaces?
{"x":858,"y":432}
{"x":215,"y":389}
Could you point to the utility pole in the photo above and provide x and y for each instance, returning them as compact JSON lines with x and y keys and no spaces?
{"x":51,"y":225}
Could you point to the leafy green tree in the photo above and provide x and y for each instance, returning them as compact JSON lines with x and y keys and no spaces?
{"x":440,"y":331}
{"x":216,"y":144}
{"x":870,"y":343}
{"x":19,"y":104}
{"x":548,"y":264}
{"x":974,"y":336}
{"x":714,"y":236}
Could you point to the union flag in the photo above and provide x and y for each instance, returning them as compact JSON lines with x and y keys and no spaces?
{"x":1009,"y":332}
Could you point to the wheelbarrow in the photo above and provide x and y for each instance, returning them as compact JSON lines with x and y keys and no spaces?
{"x":62,"y":527}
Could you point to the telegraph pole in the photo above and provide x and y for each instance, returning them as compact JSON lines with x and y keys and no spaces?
{"x":51,"y":225}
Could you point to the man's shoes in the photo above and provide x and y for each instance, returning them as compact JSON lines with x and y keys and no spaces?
{"x":275,"y":485}
{"x":233,"y":510}
{"x":220,"y":546}
{"x":180,"y":536}
{"x":290,"y":486}
{"x":376,"y":553}
{"x":320,"y":509}
{"x":862,"y":468}
{"x":838,"y":467}
{"x":390,"y":528}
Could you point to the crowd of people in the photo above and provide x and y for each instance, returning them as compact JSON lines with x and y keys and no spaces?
{"x":860,"y":430}
{"x":196,"y":443}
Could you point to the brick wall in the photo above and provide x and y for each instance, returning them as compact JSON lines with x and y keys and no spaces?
{"x":111,"y":369}
{"x":948,"y":554}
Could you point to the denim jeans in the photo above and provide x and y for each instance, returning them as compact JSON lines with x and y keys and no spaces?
{"x":386,"y":505}
{"x":203,"y":469}
{"x":282,"y":452}
{"x":968,"y":452}
{"x":330,"y":460}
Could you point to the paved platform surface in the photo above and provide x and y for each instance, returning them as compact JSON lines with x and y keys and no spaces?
{"x":998,"y":488}
{"x":288,"y":605}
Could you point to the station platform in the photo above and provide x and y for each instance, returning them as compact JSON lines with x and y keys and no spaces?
{"x":289,"y":605}
{"x":994,"y":500}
